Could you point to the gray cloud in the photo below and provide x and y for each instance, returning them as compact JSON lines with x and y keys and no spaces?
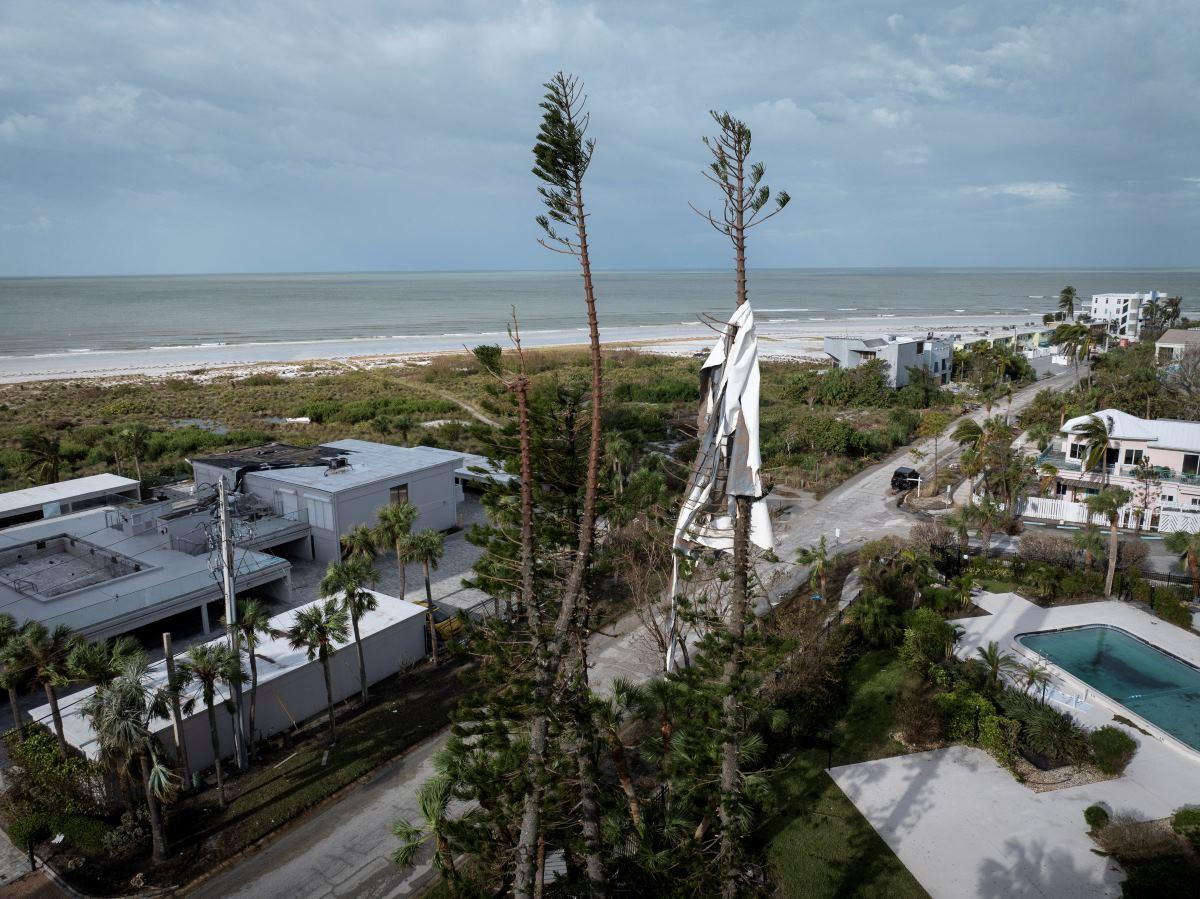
{"x":237,"y":135}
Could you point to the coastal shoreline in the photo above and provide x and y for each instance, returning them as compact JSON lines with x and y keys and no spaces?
{"x":777,"y":341}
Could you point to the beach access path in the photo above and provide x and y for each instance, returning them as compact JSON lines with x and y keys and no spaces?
{"x":344,"y":849}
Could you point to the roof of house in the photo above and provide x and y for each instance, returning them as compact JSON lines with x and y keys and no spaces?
{"x":368,"y":463}
{"x":63,"y":491}
{"x":1165,"y":433}
{"x":268,"y":454}
{"x":1180,"y":336}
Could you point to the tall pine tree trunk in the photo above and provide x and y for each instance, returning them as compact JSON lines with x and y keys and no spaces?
{"x":731,"y":778}
{"x":1112,"y":555}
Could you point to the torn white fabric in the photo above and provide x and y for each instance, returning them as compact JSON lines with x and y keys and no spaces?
{"x":728,"y":463}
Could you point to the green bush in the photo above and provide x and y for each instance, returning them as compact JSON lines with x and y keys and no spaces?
{"x":44,"y":779}
{"x":1112,"y":749}
{"x":1186,"y":823}
{"x":1168,"y":607}
{"x":928,"y":640}
{"x":81,"y":831}
{"x":970,"y":717}
{"x":1096,"y":816}
{"x":129,"y":837}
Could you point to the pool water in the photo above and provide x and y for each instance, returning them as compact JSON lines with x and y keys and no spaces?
{"x":1161,"y":688}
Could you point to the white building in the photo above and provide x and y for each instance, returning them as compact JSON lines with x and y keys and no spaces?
{"x":899,"y":353}
{"x":1125,"y":313}
{"x":291,"y":688}
{"x":338,"y":485}
{"x":65,"y":497}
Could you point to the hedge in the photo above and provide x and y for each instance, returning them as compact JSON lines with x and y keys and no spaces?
{"x":1112,"y":749}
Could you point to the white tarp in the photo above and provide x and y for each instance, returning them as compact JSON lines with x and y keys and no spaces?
{"x":728,"y":461}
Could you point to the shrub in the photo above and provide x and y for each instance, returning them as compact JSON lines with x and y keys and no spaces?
{"x":1186,"y":823}
{"x":1096,"y":816}
{"x":1053,"y":734}
{"x":81,"y":831}
{"x":1038,"y":546}
{"x":1126,"y":837}
{"x":928,"y":640}
{"x":488,"y":355}
{"x":918,"y":719}
{"x":1131,"y":554}
{"x":970,"y":717}
{"x":1168,"y":607}
{"x":1112,"y":749}
{"x":129,"y":837}
{"x":45,"y":779}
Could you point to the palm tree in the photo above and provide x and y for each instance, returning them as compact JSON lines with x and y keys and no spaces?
{"x":101,"y":662}
{"x":915,"y":569}
{"x":1043,"y":580}
{"x":818,"y":575}
{"x":135,"y":439}
{"x":1187,"y":546}
{"x":433,"y":801}
{"x":209,"y":664}
{"x":41,"y":457}
{"x":14,"y":667}
{"x":360,"y":543}
{"x":875,"y":616}
{"x":48,"y":652}
{"x":963,"y":588}
{"x":1041,"y":435}
{"x":1090,"y":543}
{"x":121,"y":715}
{"x":253,"y":623}
{"x":629,"y":703}
{"x":1034,"y":674}
{"x":393,"y":529}
{"x":986,"y":516}
{"x":318,"y":629}
{"x":427,"y":548}
{"x":1108,"y":502}
{"x":996,"y":663}
{"x":1066,"y":301}
{"x":1072,"y":339}
{"x":345,"y":581}
{"x":1094,"y":436}
{"x":1047,"y":477}
{"x":960,"y":523}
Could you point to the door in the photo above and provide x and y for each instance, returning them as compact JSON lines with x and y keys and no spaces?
{"x":288,"y":502}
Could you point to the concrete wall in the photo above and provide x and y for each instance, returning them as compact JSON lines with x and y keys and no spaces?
{"x":299,"y":694}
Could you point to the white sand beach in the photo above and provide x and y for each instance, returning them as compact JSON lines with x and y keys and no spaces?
{"x":778,"y":340}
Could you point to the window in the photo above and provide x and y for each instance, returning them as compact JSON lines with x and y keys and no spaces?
{"x":1132,"y":456}
{"x":1167,"y":499}
{"x":398,"y":494}
{"x":320,"y":513}
{"x":1076,"y":451}
{"x":1191,"y":463}
{"x":920,"y":347}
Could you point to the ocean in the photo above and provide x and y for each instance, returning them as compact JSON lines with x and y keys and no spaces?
{"x":44,"y":317}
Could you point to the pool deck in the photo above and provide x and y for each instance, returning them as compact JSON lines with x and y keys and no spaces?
{"x":964,"y":826}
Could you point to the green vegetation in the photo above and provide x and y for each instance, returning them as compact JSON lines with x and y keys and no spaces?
{"x":818,"y":844}
{"x":1096,"y":816}
{"x":1112,"y":749}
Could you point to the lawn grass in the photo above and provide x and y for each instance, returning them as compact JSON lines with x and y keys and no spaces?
{"x":819,"y":845}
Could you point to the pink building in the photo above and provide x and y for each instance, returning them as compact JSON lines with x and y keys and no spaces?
{"x":1156,"y":460}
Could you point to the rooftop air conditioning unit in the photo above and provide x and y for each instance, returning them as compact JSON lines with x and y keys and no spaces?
{"x":339,"y":462}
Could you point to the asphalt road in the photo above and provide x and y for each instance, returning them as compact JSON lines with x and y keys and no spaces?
{"x":343,"y":850}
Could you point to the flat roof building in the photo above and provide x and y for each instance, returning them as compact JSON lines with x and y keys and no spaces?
{"x":110,"y":570}
{"x":65,"y":497}
{"x":898,"y":352}
{"x":1175,"y":342}
{"x":344,"y":483}
{"x":1124,"y":313}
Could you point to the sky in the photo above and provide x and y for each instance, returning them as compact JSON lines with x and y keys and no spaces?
{"x":302,"y":135}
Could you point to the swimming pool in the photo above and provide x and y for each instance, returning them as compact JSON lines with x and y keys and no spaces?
{"x":1161,"y":688}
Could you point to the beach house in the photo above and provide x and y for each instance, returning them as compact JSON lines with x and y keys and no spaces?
{"x":900,"y":353}
{"x":1171,"y":346}
{"x":338,"y":485}
{"x":64,"y":497}
{"x":1156,"y":460}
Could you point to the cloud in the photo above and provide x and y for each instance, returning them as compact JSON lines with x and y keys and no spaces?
{"x":1038,"y":191}
{"x":377,"y":135}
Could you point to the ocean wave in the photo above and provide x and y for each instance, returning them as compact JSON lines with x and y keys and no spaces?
{"x":798,"y":309}
{"x":847,"y":308}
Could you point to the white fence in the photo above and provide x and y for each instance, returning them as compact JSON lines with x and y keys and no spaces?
{"x":1057,"y":509}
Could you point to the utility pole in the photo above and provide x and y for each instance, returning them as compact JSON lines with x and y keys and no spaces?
{"x":235,"y":642}
{"x":176,"y":715}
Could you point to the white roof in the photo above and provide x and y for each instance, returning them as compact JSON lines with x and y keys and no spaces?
{"x":368,"y":463}
{"x":1165,"y":433}
{"x":275,"y":658}
{"x":64,"y":491}
{"x":1180,"y":337}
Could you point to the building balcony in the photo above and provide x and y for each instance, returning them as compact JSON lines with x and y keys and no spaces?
{"x":1132,"y":472}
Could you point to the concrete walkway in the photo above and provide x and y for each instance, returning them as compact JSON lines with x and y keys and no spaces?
{"x":963,"y":824}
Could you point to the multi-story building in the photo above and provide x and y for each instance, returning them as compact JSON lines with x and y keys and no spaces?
{"x":1156,"y":460}
{"x":900,"y":353}
{"x":1124,"y":313}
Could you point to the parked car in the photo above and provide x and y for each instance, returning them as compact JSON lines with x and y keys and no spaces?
{"x":905,"y":478}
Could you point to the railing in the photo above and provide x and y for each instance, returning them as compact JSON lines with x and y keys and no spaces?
{"x":1059,"y":460}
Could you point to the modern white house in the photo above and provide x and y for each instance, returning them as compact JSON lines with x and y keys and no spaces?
{"x":291,"y":687}
{"x":110,"y":570}
{"x":1125,"y":313}
{"x":338,"y":485}
{"x":65,"y":497}
{"x":1171,"y":346}
{"x":899,"y":352}
{"x":1156,"y":460}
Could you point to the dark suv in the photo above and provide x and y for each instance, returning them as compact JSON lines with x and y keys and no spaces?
{"x":905,"y":478}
